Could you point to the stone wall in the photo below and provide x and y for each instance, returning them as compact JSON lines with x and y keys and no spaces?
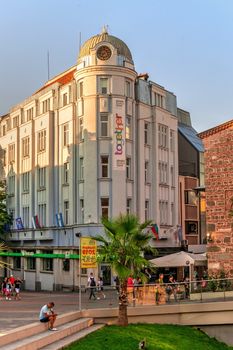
{"x":219,"y":192}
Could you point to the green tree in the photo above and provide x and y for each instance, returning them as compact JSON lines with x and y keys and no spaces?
{"x":123,"y":249}
{"x":5,"y":218}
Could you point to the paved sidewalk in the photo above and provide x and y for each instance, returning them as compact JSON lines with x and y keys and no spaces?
{"x":19,"y":313}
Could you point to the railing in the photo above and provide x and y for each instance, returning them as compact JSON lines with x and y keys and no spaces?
{"x":161,"y":293}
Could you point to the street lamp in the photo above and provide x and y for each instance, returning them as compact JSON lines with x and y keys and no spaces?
{"x":79,"y":235}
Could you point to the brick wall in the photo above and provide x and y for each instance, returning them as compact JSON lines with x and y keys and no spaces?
{"x":219,"y":191}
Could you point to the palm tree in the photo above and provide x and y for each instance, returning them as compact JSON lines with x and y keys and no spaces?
{"x":123,"y":248}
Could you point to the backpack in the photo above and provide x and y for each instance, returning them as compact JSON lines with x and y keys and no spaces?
{"x":92,"y":284}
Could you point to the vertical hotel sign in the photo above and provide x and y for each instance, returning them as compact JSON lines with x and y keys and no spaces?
{"x":119,"y":135}
{"x":88,"y":253}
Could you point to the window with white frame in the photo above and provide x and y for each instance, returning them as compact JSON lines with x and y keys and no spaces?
{"x":66,"y":172}
{"x":127,"y":88}
{"x":11,"y":153}
{"x":15,"y":121}
{"x":26,"y":216}
{"x":146,"y":133}
{"x":163,"y":173}
{"x":65,"y":134}
{"x":4,"y":157}
{"x":128,"y":168}
{"x":103,"y":85}
{"x":46,"y":105}
{"x":47,"y":263}
{"x":81,"y":129}
{"x":159,"y":100}
{"x":82,"y":211}
{"x":25,"y":146}
{"x":163,"y":136}
{"x":29,"y":114}
{"x":41,"y":141}
{"x":146,"y":171}
{"x":66,"y":212}
{"x":104,"y":207}
{"x":4,"y":130}
{"x":11,"y":185}
{"x":42,"y":214}
{"x":31,"y":263}
{"x":81,"y":169}
{"x":42,"y":178}
{"x":104,"y":127}
{"x":25,"y":181}
{"x":8,"y":124}
{"x":104,"y":166}
{"x":64,"y":99}
{"x":172,"y":214}
{"x":128,"y":128}
{"x":172,"y":176}
{"x":163,"y":210}
{"x":128,"y":205}
{"x":172,"y":140}
{"x":147,"y":214}
{"x":80,"y":89}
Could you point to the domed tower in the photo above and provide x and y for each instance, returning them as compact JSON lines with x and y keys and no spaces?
{"x":105,"y":80}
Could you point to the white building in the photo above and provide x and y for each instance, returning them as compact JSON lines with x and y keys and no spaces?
{"x":96,"y":140}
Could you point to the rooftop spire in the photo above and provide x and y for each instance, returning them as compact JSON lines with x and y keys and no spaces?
{"x":104,"y":29}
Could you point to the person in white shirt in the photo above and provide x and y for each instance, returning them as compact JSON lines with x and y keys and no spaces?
{"x":47,"y":314}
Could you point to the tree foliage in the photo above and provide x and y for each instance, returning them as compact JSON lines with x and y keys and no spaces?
{"x":5,"y":218}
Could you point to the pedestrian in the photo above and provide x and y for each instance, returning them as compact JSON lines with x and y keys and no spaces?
{"x":17,"y":285}
{"x":92,"y":285}
{"x":47,"y":314}
{"x":100,"y":288}
{"x":7,"y":287}
{"x":130,"y":288}
{"x":173,"y":285}
{"x":12,"y":281}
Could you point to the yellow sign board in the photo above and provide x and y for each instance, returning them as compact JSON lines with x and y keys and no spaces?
{"x":88,"y":253}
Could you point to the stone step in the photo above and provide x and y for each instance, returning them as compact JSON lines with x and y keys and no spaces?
{"x":35,"y":328}
{"x":63,"y":343}
{"x":42,"y":340}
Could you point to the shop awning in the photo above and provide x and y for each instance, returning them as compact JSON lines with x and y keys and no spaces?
{"x":180,"y":259}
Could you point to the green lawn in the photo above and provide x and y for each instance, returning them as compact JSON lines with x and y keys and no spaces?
{"x":158,"y":337}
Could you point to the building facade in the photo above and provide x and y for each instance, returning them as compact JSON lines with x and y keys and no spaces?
{"x":218,"y":143}
{"x":96,"y":140}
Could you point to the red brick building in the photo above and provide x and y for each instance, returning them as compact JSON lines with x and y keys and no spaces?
{"x":218,"y":144}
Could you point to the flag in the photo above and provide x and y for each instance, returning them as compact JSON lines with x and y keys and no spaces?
{"x":19,"y":223}
{"x":59,"y":220}
{"x":155,"y":231}
{"x":35,"y":222}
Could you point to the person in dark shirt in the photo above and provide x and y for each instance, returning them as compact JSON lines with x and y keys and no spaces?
{"x":17,"y":285}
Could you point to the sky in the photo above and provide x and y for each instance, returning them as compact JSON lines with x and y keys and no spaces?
{"x":184,"y":45}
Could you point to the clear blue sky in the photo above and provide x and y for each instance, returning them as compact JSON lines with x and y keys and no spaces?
{"x":184,"y":45}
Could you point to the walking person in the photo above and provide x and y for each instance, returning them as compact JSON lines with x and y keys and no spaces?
{"x":173,"y":285}
{"x":47,"y":314}
{"x":100,"y":288}
{"x":92,"y":285}
{"x":12,"y":281}
{"x":17,"y":285}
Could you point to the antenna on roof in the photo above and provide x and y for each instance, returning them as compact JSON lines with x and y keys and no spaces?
{"x":48,"y":64}
{"x":80,"y":40}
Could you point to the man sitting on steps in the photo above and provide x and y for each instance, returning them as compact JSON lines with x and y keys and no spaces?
{"x":47,"y":315}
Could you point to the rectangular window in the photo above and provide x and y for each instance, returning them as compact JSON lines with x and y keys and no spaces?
{"x":65,"y":135}
{"x":173,"y":214}
{"x":64,"y":99}
{"x":8,"y":124}
{"x":15,"y":121}
{"x":42,"y":214}
{"x":17,"y":262}
{"x":128,"y":168}
{"x":29,"y":114}
{"x":66,"y":172}
{"x":4,"y":157}
{"x":146,"y":133}
{"x":103,"y":82}
{"x":66,"y":213}
{"x":42,"y":178}
{"x":47,"y":263}
{"x":26,"y":217}
{"x":41,"y":141}
{"x":146,"y":172}
{"x":25,"y":146}
{"x":46,"y":105}
{"x":82,"y":211}
{"x":163,"y":136}
{"x":163,"y":211}
{"x":147,"y":210}
{"x":31,"y":263}
{"x":105,"y":207}
{"x":81,"y":129}
{"x":127,"y":89}
{"x":104,"y":125}
{"x":104,"y":166}
{"x":159,"y":100}
{"x":128,"y":128}
{"x":80,"y":89}
{"x":172,"y":176}
{"x":81,"y":169}
{"x":25,"y":181}
{"x":128,"y":205}
{"x":190,"y":198}
{"x":163,"y":175}
{"x":11,"y":153}
{"x":3,"y":130}
{"x":172,"y":140}
{"x":191,"y":227}
{"x":12,"y":214}
{"x":11,"y":185}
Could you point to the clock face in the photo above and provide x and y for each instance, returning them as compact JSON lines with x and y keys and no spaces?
{"x":104,"y":53}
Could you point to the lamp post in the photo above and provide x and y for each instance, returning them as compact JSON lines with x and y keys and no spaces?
{"x":78,"y":234}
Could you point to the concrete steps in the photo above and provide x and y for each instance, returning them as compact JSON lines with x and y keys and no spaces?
{"x":61,"y":344}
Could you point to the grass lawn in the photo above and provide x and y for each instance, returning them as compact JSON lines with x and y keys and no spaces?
{"x":158,"y":337}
